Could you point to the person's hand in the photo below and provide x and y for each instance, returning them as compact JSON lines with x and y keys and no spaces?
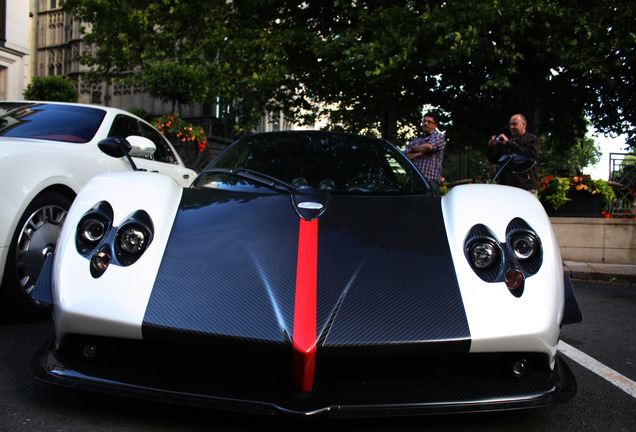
{"x":501,"y":139}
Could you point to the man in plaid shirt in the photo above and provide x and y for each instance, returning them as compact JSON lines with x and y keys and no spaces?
{"x":427,"y":152}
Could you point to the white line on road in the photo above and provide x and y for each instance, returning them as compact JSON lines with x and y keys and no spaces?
{"x":620,"y":381}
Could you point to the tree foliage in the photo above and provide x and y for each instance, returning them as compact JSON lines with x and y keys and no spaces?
{"x":571,"y":163}
{"x":175,"y":83}
{"x":372,"y":65}
{"x":52,"y":88}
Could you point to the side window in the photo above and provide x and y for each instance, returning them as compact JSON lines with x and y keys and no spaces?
{"x":164,"y":152}
{"x":124,"y":126}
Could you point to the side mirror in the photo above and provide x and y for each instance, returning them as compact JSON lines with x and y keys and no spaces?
{"x":115,"y":147}
{"x":141,"y":146}
{"x":118,"y":147}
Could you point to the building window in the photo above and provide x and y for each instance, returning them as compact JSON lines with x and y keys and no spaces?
{"x":53,"y":4}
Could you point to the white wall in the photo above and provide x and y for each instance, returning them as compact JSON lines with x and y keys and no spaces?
{"x":15,"y":55}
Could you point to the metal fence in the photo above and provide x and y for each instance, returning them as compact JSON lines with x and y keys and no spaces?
{"x":623,"y":179}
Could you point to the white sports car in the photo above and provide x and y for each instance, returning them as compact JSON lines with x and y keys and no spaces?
{"x":307,"y":273}
{"x":48,"y":151}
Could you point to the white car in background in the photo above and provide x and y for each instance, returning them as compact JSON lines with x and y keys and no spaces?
{"x":48,"y":151}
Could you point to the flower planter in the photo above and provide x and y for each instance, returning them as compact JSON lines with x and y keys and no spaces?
{"x":578,"y":196}
{"x":581,"y":204}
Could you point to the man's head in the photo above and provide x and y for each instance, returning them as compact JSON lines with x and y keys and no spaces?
{"x":430,"y":122}
{"x":518,"y":125}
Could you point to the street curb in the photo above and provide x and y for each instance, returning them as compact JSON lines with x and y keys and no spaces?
{"x":593,"y":271}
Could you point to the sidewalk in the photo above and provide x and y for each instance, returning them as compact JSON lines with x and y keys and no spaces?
{"x":599,"y":271}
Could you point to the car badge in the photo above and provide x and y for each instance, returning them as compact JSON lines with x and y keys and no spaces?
{"x":310,"y":205}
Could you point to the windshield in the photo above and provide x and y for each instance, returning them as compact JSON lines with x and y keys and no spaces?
{"x":322,"y":160}
{"x":69,"y":123}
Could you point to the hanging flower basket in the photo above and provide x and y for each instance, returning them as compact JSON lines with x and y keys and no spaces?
{"x":189,"y":140}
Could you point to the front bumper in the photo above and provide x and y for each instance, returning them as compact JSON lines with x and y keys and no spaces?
{"x":346,"y":386}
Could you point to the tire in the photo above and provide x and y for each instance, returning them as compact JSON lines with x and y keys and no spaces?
{"x":35,"y":236}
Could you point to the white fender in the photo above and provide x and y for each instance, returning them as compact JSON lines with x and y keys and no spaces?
{"x":83,"y":304}
{"x":498,"y":320}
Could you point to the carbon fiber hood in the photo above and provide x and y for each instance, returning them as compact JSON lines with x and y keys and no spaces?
{"x":384,"y":272}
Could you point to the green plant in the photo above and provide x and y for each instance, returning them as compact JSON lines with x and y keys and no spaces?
{"x":174,"y":125}
{"x":554,"y":190}
{"x":444,"y":187}
{"x":53,"y":88}
{"x":606,"y":191}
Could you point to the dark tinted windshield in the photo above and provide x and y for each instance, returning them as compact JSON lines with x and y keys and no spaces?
{"x":333,"y":161}
{"x":68,"y":123}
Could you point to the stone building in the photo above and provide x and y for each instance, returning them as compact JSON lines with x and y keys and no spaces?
{"x":14,"y":48}
{"x":56,"y":42}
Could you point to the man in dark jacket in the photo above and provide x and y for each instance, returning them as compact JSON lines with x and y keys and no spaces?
{"x":522,"y":142}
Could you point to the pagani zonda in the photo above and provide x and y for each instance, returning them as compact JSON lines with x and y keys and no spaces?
{"x":309,"y":272}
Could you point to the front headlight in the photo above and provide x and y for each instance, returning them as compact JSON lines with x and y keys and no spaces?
{"x":483,"y":254}
{"x":524,"y":246}
{"x":93,"y":228}
{"x":133,"y":239}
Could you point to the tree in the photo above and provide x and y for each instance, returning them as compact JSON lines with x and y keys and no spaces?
{"x":571,"y":163}
{"x":51,"y":88}
{"x":241,"y":61}
{"x":525,"y":59}
{"x":371,"y":65}
{"x":175,"y":83}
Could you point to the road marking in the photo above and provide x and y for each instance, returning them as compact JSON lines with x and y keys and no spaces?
{"x":620,"y":381}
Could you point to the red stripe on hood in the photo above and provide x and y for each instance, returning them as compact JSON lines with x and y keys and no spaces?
{"x":304,"y":339}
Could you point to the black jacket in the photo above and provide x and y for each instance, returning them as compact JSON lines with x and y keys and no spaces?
{"x":527,"y":144}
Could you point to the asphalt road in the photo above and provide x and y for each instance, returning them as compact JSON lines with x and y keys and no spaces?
{"x":607,"y":334}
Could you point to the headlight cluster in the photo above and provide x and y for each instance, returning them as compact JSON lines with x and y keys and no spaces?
{"x":104,"y":244}
{"x":133,"y":237}
{"x":511,"y":262}
{"x":525,"y":245}
{"x":93,"y":227}
{"x":484,"y":253}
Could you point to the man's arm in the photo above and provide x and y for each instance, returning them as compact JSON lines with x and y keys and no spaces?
{"x":434,"y":143}
{"x":422,"y":149}
{"x":528,"y":145}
